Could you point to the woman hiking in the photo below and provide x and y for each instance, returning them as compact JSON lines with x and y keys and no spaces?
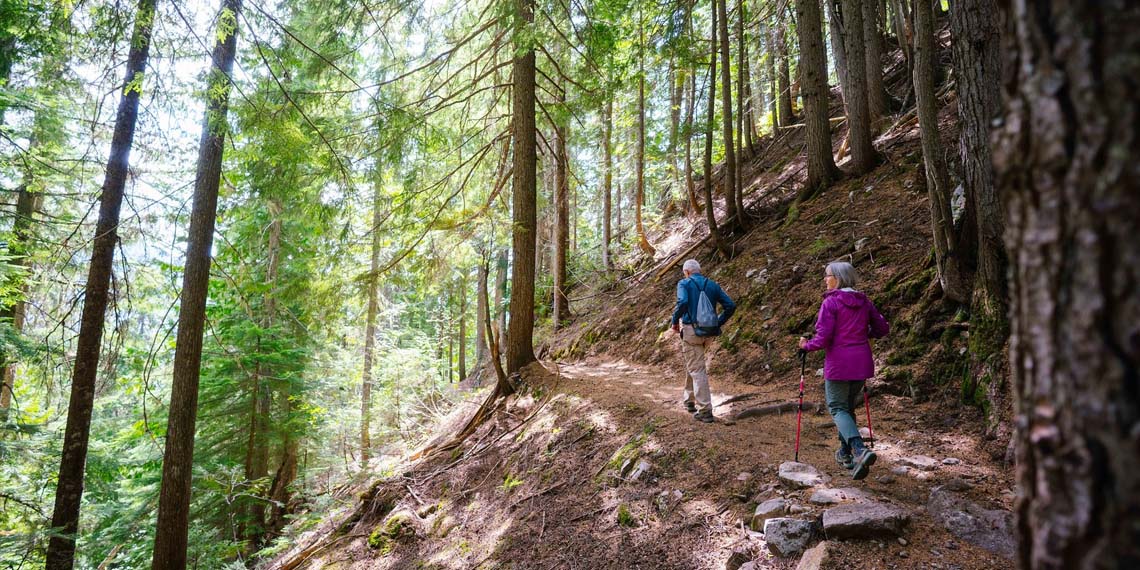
{"x":846,"y":322}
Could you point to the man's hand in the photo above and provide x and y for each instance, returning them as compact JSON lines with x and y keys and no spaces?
{"x":803,"y":342}
{"x":677,"y":328}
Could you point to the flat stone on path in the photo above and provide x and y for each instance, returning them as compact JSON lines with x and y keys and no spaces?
{"x":769,"y":509}
{"x":920,"y":462}
{"x":988,"y":529}
{"x":836,"y":496}
{"x":864,"y":520}
{"x":799,"y":475}
{"x":814,"y":558}
{"x":787,"y":537}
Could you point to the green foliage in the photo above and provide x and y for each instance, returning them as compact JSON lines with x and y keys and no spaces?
{"x":624,"y":517}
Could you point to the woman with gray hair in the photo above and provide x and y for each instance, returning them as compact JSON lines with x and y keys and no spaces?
{"x":846,"y":322}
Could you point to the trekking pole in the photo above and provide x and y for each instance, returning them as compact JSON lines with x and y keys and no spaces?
{"x":800,"y":410}
{"x":870,"y":430}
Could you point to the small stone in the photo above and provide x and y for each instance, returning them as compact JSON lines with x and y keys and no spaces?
{"x":815,"y":557}
{"x":885,"y":479}
{"x":957,"y":485}
{"x":767,"y":510}
{"x":836,"y":496}
{"x":900,"y":470}
{"x":902,"y":554}
{"x":920,"y":462}
{"x":902,"y":541}
{"x":951,"y":461}
{"x":786,"y":536}
{"x":923,"y":476}
{"x":800,"y":475}
{"x":864,"y":520}
{"x":639,"y":471}
{"x":799,"y":509}
{"x":865,"y":433}
{"x":744,"y":476}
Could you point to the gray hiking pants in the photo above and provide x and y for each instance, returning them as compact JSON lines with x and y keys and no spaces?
{"x":843,"y":402}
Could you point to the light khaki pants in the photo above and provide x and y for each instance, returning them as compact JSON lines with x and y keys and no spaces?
{"x":696,"y":378}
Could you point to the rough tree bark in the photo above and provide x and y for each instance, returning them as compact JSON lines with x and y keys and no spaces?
{"x":838,"y":52}
{"x":561,"y":159}
{"x":607,"y":180}
{"x":813,"y":67}
{"x":732,"y":199}
{"x":461,"y":341}
{"x":520,"y":337}
{"x":1066,"y":159}
{"x":174,"y":496}
{"x":370,"y":324}
{"x":710,"y":122}
{"x":876,"y":93}
{"x":938,"y":186}
{"x":642,"y":238}
{"x":690,"y":185}
{"x":482,"y":314}
{"x":783,"y":77}
{"x":977,"y":68}
{"x":863,"y":156}
{"x":69,"y":490}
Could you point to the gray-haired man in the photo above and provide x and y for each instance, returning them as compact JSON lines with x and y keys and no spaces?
{"x":694,"y":339}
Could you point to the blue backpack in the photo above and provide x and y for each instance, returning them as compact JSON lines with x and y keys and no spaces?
{"x":705,"y":322}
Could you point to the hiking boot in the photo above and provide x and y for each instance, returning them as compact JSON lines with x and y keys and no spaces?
{"x":864,"y":459}
{"x":843,"y":457}
{"x":691,"y":407}
{"x":704,"y":416}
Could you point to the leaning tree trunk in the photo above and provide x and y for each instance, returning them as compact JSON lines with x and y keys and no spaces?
{"x":863,"y":156}
{"x":813,"y":66}
{"x":950,"y":274}
{"x":977,"y":69}
{"x":69,"y":490}
{"x":174,"y":497}
{"x":731,"y":196}
{"x":872,"y":40}
{"x":520,"y":337}
{"x":1066,"y":159}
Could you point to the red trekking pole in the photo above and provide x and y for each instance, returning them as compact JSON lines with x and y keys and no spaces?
{"x":800,"y":410}
{"x":867,"y":404}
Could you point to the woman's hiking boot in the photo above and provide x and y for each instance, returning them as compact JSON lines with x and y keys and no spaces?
{"x":843,"y":457}
{"x":704,"y":416}
{"x":864,"y":459}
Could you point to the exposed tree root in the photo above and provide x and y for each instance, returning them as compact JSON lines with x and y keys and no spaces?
{"x":813,"y":407}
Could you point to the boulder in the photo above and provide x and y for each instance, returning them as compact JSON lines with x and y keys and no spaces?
{"x":814,"y":558}
{"x":787,"y":537}
{"x":864,"y":520}
{"x":799,"y":475}
{"x":988,"y":529}
{"x":769,"y":509}
{"x":836,"y":496}
{"x":920,"y":462}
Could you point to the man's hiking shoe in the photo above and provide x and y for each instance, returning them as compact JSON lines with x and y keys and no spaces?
{"x":864,"y":459}
{"x":691,"y":407}
{"x":844,"y":458}
{"x":704,"y":416}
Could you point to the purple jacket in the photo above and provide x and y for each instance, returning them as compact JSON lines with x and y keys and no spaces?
{"x":847,"y":319}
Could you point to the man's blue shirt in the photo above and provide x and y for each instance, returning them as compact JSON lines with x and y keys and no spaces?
{"x":689,"y":291}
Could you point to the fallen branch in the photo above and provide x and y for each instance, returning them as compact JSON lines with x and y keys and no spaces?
{"x":762,"y":411}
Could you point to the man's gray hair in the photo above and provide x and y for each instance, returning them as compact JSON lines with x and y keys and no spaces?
{"x":845,"y":273}
{"x":692,"y":266}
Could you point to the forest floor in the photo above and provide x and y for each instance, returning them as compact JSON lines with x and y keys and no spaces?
{"x":596,"y":464}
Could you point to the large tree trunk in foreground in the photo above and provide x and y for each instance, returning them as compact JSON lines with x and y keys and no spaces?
{"x":520,"y":337}
{"x":69,"y":490}
{"x":863,"y":156}
{"x":174,"y":496}
{"x":1066,"y":158}
{"x":938,"y":185}
{"x":813,"y":67}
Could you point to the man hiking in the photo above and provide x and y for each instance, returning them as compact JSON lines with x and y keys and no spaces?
{"x":697,"y":321}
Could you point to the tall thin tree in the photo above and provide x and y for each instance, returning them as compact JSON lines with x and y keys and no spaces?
{"x":863,"y":155}
{"x":710,"y":124}
{"x":69,"y":489}
{"x":370,"y":320}
{"x":174,"y":497}
{"x":732,"y":199}
{"x":642,"y":238}
{"x":821,"y":170}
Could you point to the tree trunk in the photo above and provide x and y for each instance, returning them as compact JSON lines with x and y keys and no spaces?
{"x":741,"y":66}
{"x":174,"y":496}
{"x":370,"y":324}
{"x":607,"y":180}
{"x":690,"y":186}
{"x":732,"y":199}
{"x":520,"y":338}
{"x":813,"y":67}
{"x":69,"y":491}
{"x":502,"y":267}
{"x":938,"y":186}
{"x":642,"y":239}
{"x":461,"y":342}
{"x":784,"y":95}
{"x":863,"y":156}
{"x":482,"y":313}
{"x":901,"y":23}
{"x":977,"y":69}
{"x":561,"y":220}
{"x":676,"y":100}
{"x":770,"y":68}
{"x":749,"y":99}
{"x":28,"y":201}
{"x":873,"y":41}
{"x":1066,"y":159}
{"x":710,"y":206}
{"x":838,"y":52}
